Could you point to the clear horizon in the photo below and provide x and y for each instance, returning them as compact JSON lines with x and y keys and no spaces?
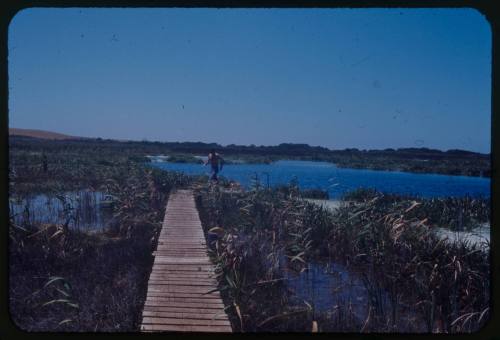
{"x":337,"y":78}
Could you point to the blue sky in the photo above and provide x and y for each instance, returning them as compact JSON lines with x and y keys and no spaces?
{"x":340,"y":78}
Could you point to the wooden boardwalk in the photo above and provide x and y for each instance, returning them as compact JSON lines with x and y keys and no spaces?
{"x":182,"y":274}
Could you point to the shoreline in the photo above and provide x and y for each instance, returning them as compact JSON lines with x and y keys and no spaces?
{"x":239,"y":161}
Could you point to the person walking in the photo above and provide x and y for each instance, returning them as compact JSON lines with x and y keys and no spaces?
{"x":216,"y":163}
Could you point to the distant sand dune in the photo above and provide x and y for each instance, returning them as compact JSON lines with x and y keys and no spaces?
{"x":40,"y":134}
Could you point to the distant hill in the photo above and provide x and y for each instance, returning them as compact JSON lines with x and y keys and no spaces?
{"x":40,"y":134}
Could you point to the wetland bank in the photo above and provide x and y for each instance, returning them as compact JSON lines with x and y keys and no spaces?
{"x":83,"y":229}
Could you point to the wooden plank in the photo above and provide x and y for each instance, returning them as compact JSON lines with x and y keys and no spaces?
{"x":183,"y":283}
{"x":184,"y":273}
{"x":183,"y":267}
{"x":165,"y":300}
{"x":185,"y":328}
{"x":183,"y":243}
{"x":176,"y":273}
{"x":199,"y":293}
{"x":186,"y":240}
{"x":197,"y":244}
{"x":184,"y":302}
{"x":179,"y":253}
{"x":182,"y":279}
{"x":172,"y":223}
{"x":185,"y":237}
{"x":177,"y":247}
{"x":180,"y":233}
{"x":204,"y":305}
{"x":221,"y":316}
{"x":180,"y":260}
{"x":182,"y":213}
{"x":176,"y":266}
{"x":183,"y":259}
{"x":203,"y":295}
{"x":176,"y":321}
{"x":181,"y":293}
{"x":190,"y":299}
{"x":180,"y":289}
{"x":194,"y":230}
{"x":172,"y":234}
{"x":176,"y":309}
{"x":189,"y":295}
{"x":178,"y":229}
{"x":196,"y":256}
{"x":178,"y":250}
{"x":192,"y":233}
{"x":172,"y":227}
{"x":182,"y":222}
{"x":184,"y":247}
{"x":164,"y":276}
{"x":178,"y":242}
{"x":181,"y":238}
{"x":188,"y":268}
{"x":162,"y":267}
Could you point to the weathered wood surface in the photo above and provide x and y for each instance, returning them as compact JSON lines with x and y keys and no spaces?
{"x":181,"y":286}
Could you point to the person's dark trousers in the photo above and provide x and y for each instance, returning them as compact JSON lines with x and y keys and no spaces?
{"x":215,"y":170}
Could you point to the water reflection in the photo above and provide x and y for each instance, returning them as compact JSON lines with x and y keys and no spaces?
{"x":327,"y":287}
{"x":82,"y":209}
{"x":324,"y":287}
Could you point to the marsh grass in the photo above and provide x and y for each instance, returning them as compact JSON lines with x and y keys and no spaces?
{"x":414,"y":280}
{"x":455,"y":213}
{"x":101,"y":286}
{"x":68,"y":279}
{"x":63,"y":279}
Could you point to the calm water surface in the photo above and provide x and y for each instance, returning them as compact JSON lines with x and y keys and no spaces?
{"x":82,"y":206}
{"x":336,"y":181}
{"x":327,"y":286}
